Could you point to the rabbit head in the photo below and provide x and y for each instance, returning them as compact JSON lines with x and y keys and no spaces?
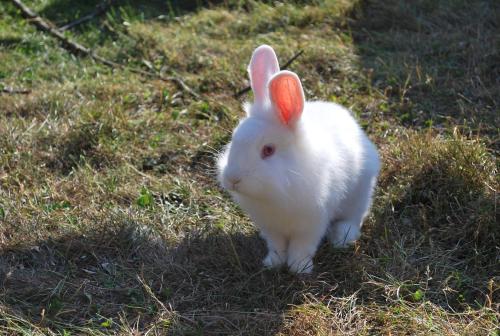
{"x":264,"y":150}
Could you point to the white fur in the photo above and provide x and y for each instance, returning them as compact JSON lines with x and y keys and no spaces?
{"x":319,"y":182}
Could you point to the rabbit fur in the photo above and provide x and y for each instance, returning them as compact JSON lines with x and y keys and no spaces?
{"x":301,"y":170}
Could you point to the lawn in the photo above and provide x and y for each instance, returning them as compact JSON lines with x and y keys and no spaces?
{"x":112,"y":222}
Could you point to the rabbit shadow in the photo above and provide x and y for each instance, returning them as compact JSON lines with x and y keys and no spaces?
{"x":209,"y":281}
{"x":212,"y":281}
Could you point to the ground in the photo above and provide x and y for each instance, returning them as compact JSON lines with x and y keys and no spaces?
{"x":111,"y":221}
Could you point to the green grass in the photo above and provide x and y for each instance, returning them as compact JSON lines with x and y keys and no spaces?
{"x":111,"y":221}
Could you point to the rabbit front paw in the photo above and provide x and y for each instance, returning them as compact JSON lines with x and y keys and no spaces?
{"x":273,"y":259}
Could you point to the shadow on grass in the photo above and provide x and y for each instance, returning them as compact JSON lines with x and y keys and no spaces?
{"x":65,"y":11}
{"x":437,"y":62}
{"x":84,"y":280}
{"x":437,"y":231}
{"x":8,"y":42}
{"x":437,"y":65}
{"x":209,"y":282}
{"x":432,"y":231}
{"x":108,"y":24}
{"x":212,"y":282}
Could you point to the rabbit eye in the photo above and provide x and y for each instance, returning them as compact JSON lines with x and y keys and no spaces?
{"x":267,"y":151}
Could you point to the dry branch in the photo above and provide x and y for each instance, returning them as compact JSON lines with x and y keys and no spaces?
{"x":100,"y":10}
{"x":80,"y":50}
{"x":45,"y":26}
{"x":284,"y":67}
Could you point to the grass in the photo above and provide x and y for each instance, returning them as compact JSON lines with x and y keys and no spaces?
{"x":111,"y":219}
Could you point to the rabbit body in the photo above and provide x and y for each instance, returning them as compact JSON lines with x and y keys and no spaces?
{"x":300,"y":170}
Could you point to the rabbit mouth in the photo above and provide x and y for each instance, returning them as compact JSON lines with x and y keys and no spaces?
{"x":238,"y":189}
{"x":232,"y":186}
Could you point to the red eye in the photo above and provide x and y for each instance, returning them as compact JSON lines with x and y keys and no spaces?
{"x":267,"y":151}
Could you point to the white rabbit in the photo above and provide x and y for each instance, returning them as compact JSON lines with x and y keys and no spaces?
{"x":300,"y":170}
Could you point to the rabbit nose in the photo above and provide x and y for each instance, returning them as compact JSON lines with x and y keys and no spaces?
{"x":234,"y":180}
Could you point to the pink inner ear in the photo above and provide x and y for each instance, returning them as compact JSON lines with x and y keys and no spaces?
{"x":287,"y":96}
{"x":263,"y":65}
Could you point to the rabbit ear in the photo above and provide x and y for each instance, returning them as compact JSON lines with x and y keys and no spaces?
{"x":287,"y":96}
{"x":263,"y":66}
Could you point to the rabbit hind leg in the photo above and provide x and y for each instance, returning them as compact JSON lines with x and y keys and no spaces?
{"x":347,"y":229}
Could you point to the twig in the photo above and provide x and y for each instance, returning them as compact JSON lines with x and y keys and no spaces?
{"x":100,"y":9}
{"x":43,"y":25}
{"x":151,"y":294}
{"x":80,"y":50}
{"x":11,"y":90}
{"x":284,"y":67}
{"x":290,"y":61}
{"x":180,"y":83}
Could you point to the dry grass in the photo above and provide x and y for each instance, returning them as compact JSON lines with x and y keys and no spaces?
{"x":111,"y":221}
